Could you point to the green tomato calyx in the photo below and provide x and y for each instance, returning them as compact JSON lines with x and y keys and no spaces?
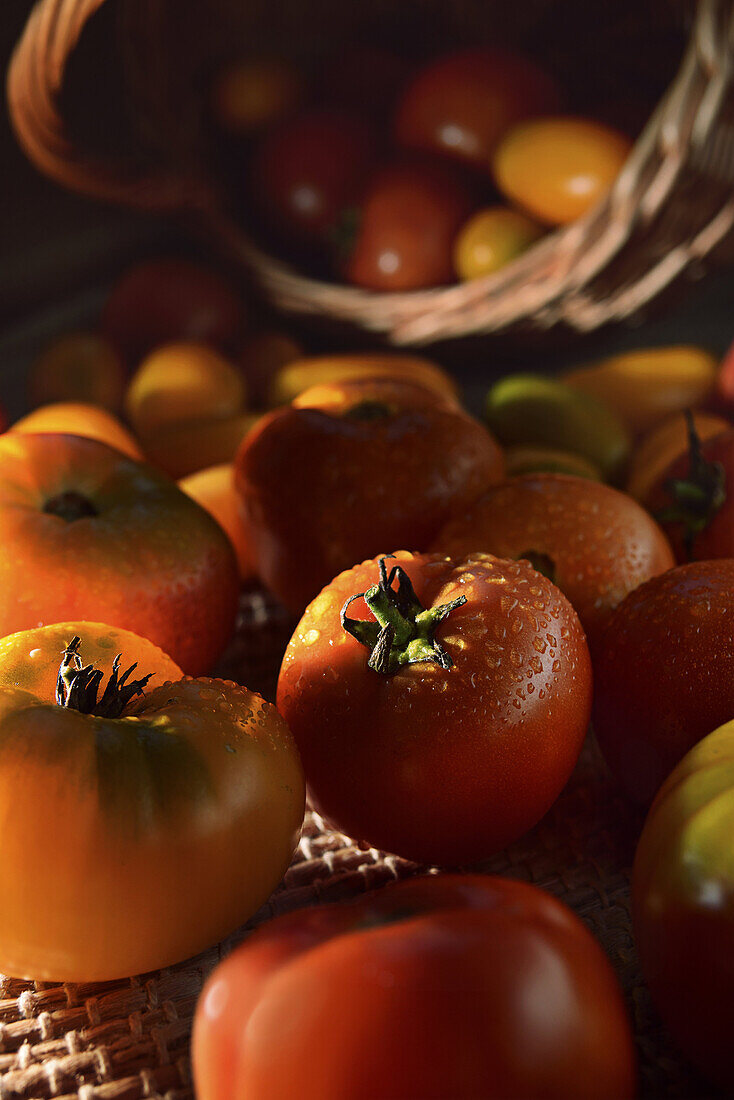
{"x":697,"y":498}
{"x":77,"y":685}
{"x":402,"y":632}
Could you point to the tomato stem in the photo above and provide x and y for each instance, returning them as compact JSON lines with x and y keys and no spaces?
{"x":77,"y":685}
{"x":402,"y":632}
{"x":697,"y":498}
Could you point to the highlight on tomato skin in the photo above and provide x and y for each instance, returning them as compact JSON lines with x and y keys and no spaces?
{"x":469,"y":985}
{"x":78,"y":418}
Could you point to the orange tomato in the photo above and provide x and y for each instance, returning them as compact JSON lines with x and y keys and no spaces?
{"x":117,"y":799}
{"x":214,"y":489}
{"x":253,"y":93}
{"x":89,"y":532}
{"x":183,"y":449}
{"x":181,"y":382}
{"x":492,"y":238}
{"x":300,"y":374}
{"x":74,"y":418}
{"x":79,"y":366}
{"x":664,"y":444}
{"x":559,"y":168}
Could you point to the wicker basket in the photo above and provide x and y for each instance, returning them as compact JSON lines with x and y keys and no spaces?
{"x":140,"y":138}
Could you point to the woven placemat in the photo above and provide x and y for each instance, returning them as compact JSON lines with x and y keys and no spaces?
{"x":129,"y":1039}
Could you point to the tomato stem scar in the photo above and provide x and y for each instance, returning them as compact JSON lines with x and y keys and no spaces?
{"x":77,"y":685}
{"x":697,"y":498}
{"x":70,"y":506}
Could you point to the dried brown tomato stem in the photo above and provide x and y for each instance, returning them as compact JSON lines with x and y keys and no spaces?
{"x":77,"y":685}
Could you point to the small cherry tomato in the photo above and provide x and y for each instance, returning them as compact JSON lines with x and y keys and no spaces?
{"x":476,"y":987}
{"x":88,"y":531}
{"x":308,"y":169}
{"x":559,"y":168}
{"x":262,"y":357}
{"x":181,"y":382}
{"x":665,"y":675}
{"x":254,"y":92}
{"x":440,"y":716}
{"x":492,"y":238}
{"x":114,"y":791}
{"x":193,"y":445}
{"x":644,"y":387}
{"x":408,"y":219}
{"x":682,"y":888}
{"x":301,"y":374}
{"x":663,"y":445}
{"x":164,"y":300}
{"x":595,"y":543}
{"x":77,"y":419}
{"x":214,"y":489}
{"x":78,"y":367}
{"x":694,"y":498}
{"x":323,"y":486}
{"x":461,"y":104}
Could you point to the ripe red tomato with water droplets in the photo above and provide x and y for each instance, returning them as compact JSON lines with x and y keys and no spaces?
{"x":461,"y":104}
{"x":665,"y":675}
{"x":451,"y":737}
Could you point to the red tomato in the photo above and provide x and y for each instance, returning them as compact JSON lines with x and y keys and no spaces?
{"x":596,"y":544}
{"x":694,"y":499}
{"x":461,"y":104}
{"x":443,"y":986}
{"x":408,"y":221}
{"x":665,"y":675}
{"x":165,"y":300}
{"x":307,"y":170}
{"x":452,"y":740}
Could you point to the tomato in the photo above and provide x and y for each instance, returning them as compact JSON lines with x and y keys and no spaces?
{"x":323,"y":487}
{"x":118,"y":796}
{"x":460,"y":986}
{"x":453,"y":739}
{"x":407,"y":222}
{"x":90,"y":532}
{"x":461,"y":104}
{"x":262,"y":357}
{"x":338,"y":398}
{"x":548,"y":460}
{"x":163,"y":300}
{"x":299,"y":375}
{"x":193,"y":445}
{"x":214,"y":489}
{"x":254,"y":92}
{"x":595,"y":543}
{"x":305,"y":171}
{"x":693,"y":499}
{"x":683,"y":886}
{"x":646,"y":386}
{"x":492,"y":238}
{"x":725,"y":380}
{"x":78,"y":367}
{"x":75,"y":418}
{"x":665,"y":443}
{"x":557,"y":169}
{"x":665,"y":675}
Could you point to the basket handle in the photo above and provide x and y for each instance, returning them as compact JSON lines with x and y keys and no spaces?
{"x":34,"y":83}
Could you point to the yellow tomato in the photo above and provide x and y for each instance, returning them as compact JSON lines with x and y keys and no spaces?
{"x":182,"y":449}
{"x":663,"y":445}
{"x":645,"y":386}
{"x":214,"y":489}
{"x":180,"y":382}
{"x":490,"y":239}
{"x":559,"y":168}
{"x":89,"y":421}
{"x":79,"y":366}
{"x":300,"y":375}
{"x":152,"y":826}
{"x":253,"y":93}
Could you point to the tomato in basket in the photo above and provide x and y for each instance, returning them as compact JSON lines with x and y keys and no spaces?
{"x":460,"y":986}
{"x":439,"y":705}
{"x":683,"y":884}
{"x":143,"y":820}
{"x":492,"y":238}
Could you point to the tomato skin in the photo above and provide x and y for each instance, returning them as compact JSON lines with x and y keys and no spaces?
{"x":305,"y":171}
{"x":492,"y":238}
{"x":150,"y":559}
{"x":665,"y":674}
{"x":78,"y":367}
{"x":683,"y":885}
{"x":292,"y":379}
{"x":321,"y":489}
{"x":213,"y":488}
{"x":462,"y":103}
{"x":409,"y":218}
{"x":198,"y":781}
{"x":72,"y":418}
{"x":662,"y":446}
{"x":557,"y":169}
{"x":442,"y":765}
{"x":431,"y":957}
{"x":601,"y":543}
{"x":717,"y":538}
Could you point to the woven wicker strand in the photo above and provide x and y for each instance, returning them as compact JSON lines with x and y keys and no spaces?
{"x":129,"y":1040}
{"x":670,"y":209}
